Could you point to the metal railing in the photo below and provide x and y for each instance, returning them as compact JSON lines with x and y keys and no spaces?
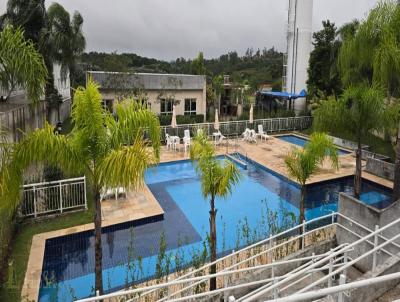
{"x":336,"y":262}
{"x":53,"y":197}
{"x":232,"y":128}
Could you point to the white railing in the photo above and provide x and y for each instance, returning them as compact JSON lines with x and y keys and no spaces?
{"x":234,"y":128}
{"x":336,"y":262}
{"x":53,"y":197}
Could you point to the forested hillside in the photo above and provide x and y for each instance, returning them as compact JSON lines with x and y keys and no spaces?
{"x":255,"y":67}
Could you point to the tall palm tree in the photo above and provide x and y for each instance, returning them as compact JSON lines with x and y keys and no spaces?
{"x":217,"y":180}
{"x":303,"y":163}
{"x":109,"y":152}
{"x":358,"y":112}
{"x":20,"y":64}
{"x":372,"y":54}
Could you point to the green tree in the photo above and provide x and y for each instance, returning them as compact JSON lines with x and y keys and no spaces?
{"x":217,"y":180}
{"x":371,"y":53}
{"x":20,"y":64}
{"x":302,"y":163}
{"x":323,"y":79}
{"x":110,"y":152}
{"x":359,"y":111}
{"x":197,"y":65}
{"x":218,"y":87}
{"x":66,"y":38}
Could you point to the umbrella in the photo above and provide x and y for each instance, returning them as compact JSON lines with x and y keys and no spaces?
{"x":173,"y":121}
{"x":251,"y":120}
{"x":216,"y":122}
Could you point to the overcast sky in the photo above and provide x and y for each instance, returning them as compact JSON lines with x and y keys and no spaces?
{"x":167,"y":29}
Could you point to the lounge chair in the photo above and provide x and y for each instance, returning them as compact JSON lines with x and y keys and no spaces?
{"x":262,"y":134}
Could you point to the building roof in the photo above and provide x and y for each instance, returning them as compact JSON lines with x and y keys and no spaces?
{"x":147,"y":81}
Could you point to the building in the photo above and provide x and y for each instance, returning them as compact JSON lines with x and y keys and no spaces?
{"x":299,"y":39}
{"x":19,"y":115}
{"x":159,"y":91}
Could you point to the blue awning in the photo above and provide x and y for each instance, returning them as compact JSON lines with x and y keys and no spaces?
{"x":285,"y":95}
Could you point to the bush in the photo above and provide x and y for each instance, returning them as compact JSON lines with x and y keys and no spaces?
{"x":165,"y":120}
{"x":258,"y":114}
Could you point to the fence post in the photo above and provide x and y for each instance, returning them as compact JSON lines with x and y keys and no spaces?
{"x":375,"y":245}
{"x":61,"y":201}
{"x":303,"y":238}
{"x":97,"y":294}
{"x":34,"y":201}
{"x":330,"y":271}
{"x":342,"y":280}
{"x":84,"y":190}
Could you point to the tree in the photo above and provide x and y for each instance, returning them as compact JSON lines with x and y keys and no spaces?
{"x":303,"y":163}
{"x":20,"y":64}
{"x":66,"y":37}
{"x":359,"y":111}
{"x":371,"y":53}
{"x":217,"y":180}
{"x":198,"y":66}
{"x":110,"y":152}
{"x":323,"y":80}
{"x":218,"y":86}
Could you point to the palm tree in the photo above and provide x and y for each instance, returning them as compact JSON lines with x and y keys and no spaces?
{"x":372,"y":53}
{"x":20,"y":64}
{"x":217,"y":180}
{"x":109,"y":152}
{"x":303,"y":163}
{"x":358,"y":112}
{"x":66,"y":37}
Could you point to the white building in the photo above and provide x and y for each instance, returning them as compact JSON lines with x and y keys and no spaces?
{"x":160,"y":91}
{"x":299,"y":39}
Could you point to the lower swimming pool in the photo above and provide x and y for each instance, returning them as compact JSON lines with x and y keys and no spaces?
{"x":300,"y":141}
{"x":68,"y":267}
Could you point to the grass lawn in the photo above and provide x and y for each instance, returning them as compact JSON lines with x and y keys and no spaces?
{"x":377,"y":144}
{"x":21,"y":245}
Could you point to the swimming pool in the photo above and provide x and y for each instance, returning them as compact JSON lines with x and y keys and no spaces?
{"x":68,"y":267}
{"x":300,"y":141}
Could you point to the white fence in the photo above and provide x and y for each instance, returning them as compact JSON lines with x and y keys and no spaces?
{"x":53,"y":197}
{"x":234,"y":128}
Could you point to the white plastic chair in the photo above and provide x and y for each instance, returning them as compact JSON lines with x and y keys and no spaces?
{"x":169,"y":141}
{"x":246,"y":134}
{"x":186,"y":139}
{"x":252,"y":136}
{"x":262,"y":134}
{"x":220,"y":138}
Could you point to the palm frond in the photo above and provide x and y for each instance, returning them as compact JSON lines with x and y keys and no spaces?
{"x":125,"y":166}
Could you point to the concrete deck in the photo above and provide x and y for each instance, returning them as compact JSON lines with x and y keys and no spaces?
{"x":269,"y":153}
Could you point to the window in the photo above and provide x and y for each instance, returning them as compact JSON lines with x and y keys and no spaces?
{"x":166,"y":107}
{"x":107,"y":104}
{"x":190,"y":106}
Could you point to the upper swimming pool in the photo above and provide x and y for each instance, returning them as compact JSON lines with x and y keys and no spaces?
{"x":300,"y":141}
{"x":68,"y":266}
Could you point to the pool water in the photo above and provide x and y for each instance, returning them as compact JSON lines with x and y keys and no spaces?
{"x":68,"y":268}
{"x":300,"y":141}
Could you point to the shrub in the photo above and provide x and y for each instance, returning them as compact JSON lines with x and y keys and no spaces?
{"x":165,"y":120}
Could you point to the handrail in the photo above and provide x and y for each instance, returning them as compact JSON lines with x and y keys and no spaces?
{"x":262,"y":242}
{"x":336,"y":289}
{"x":82,"y":178}
{"x":341,"y":251}
{"x":317,"y":262}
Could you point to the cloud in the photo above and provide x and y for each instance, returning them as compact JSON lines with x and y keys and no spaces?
{"x":168,"y":29}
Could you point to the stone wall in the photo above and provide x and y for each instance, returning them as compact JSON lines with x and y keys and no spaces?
{"x":380,"y":168}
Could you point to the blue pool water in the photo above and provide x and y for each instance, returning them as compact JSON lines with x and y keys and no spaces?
{"x":68,"y":268}
{"x":299,"y":141}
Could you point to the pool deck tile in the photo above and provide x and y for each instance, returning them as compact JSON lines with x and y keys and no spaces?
{"x":143,"y":204}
